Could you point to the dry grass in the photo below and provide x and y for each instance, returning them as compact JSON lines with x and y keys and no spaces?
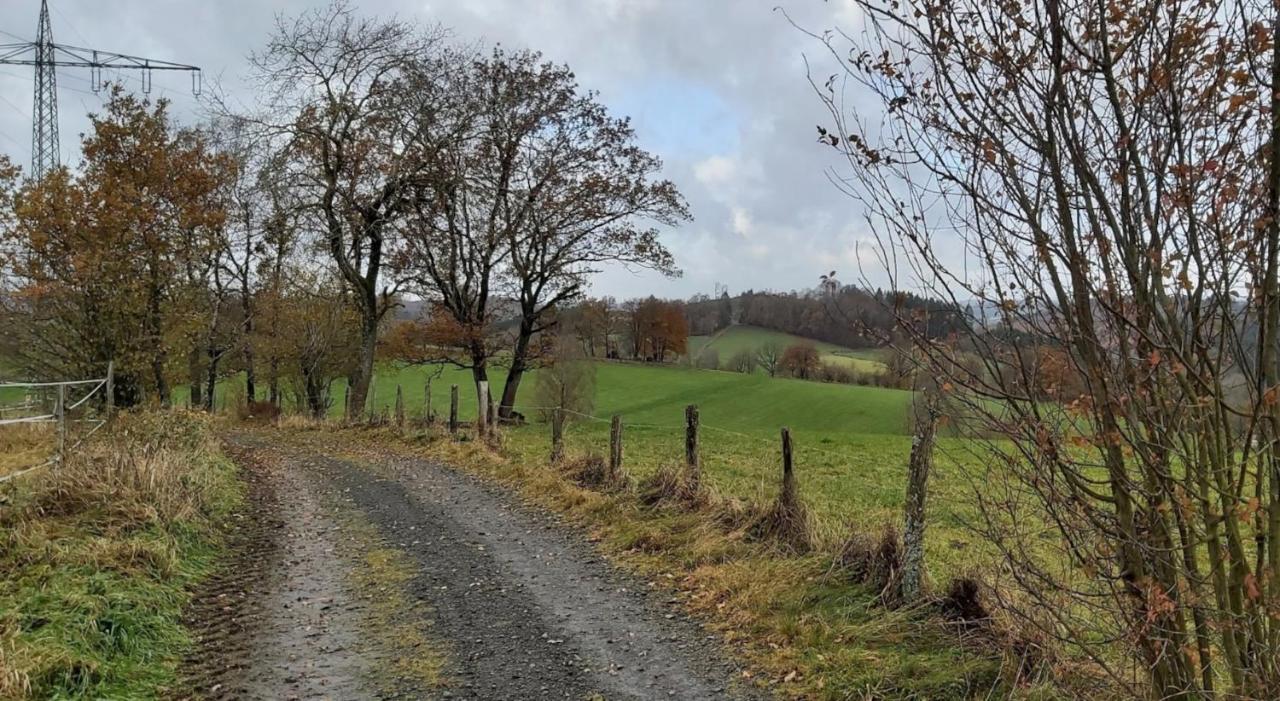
{"x":98,"y":554}
{"x":672,"y":485}
{"x":875,"y":562}
{"x":788,"y":524}
{"x":24,"y":445}
{"x":592,"y":472}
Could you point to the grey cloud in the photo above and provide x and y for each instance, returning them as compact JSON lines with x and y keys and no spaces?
{"x":766,"y":215}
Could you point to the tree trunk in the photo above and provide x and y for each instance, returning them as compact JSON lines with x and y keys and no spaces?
{"x":362,"y":374}
{"x":479,"y":373}
{"x":162,"y":383}
{"x":917,"y":495}
{"x":211,"y":379}
{"x":317,"y":403}
{"x":196,"y":377}
{"x":519,"y":363}
{"x":275,"y":381}
{"x":250,"y":372}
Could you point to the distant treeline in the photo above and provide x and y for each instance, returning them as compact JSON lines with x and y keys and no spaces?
{"x":848,"y":317}
{"x":656,"y":329}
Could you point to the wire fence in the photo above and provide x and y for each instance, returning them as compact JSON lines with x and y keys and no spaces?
{"x":834,"y":470}
{"x":71,"y":411}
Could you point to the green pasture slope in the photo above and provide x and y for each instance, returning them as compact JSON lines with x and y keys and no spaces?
{"x":851,"y":442}
{"x":657,"y":394}
{"x":736,"y":339}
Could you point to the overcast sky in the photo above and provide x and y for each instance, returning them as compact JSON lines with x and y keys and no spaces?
{"x":717,"y":88}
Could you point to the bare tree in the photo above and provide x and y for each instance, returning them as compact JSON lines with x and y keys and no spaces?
{"x":543,"y":188}
{"x":1110,"y":173}
{"x":355,"y":101}
{"x":567,"y":383}
{"x":769,"y":356}
{"x":589,"y":195}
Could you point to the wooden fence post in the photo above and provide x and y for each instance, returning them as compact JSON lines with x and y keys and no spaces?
{"x":453,"y":410}
{"x":921,"y":463}
{"x":111,"y":387}
{"x":60,"y":414}
{"x":788,"y":495}
{"x":691,"y":444}
{"x":557,"y":435}
{"x":399,"y":407}
{"x":426,"y":404}
{"x":482,"y":411}
{"x":615,"y":449}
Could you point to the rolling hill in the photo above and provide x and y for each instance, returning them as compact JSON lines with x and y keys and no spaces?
{"x":736,"y":339}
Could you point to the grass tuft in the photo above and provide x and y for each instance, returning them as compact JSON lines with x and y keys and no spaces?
{"x":786,"y":523}
{"x":874,"y":562}
{"x":672,"y":485}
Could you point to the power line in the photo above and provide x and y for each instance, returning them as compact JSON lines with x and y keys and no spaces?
{"x":46,"y":57}
{"x":69,"y":24}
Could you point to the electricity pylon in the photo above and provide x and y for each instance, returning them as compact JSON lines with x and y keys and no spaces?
{"x":47,"y":57}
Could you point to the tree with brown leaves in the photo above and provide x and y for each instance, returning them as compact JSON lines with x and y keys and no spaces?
{"x":112,"y":261}
{"x":1112,"y":174}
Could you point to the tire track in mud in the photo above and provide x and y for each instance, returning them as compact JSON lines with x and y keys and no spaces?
{"x":282,"y":619}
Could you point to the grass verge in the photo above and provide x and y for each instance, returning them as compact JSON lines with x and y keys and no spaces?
{"x":395,"y":622}
{"x":98,"y":557}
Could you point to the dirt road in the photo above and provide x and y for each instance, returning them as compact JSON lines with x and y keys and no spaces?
{"x":496,"y":601}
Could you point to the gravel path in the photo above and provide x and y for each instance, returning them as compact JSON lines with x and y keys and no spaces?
{"x":523,"y":606}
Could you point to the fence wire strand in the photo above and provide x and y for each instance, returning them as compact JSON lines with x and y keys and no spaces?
{"x":99,"y":384}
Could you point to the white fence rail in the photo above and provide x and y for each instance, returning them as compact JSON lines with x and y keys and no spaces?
{"x":63,"y":398}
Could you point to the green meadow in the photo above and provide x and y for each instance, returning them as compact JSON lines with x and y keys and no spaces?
{"x":737,"y":339}
{"x":851,"y":442}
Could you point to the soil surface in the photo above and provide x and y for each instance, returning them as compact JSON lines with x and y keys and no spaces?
{"x":520,"y":606}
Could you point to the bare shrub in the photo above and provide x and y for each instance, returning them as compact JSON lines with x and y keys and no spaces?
{"x":834,"y":372}
{"x":744,"y":361}
{"x":567,"y":382}
{"x":1112,"y":188}
{"x":260,"y":411}
{"x":769,"y":356}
